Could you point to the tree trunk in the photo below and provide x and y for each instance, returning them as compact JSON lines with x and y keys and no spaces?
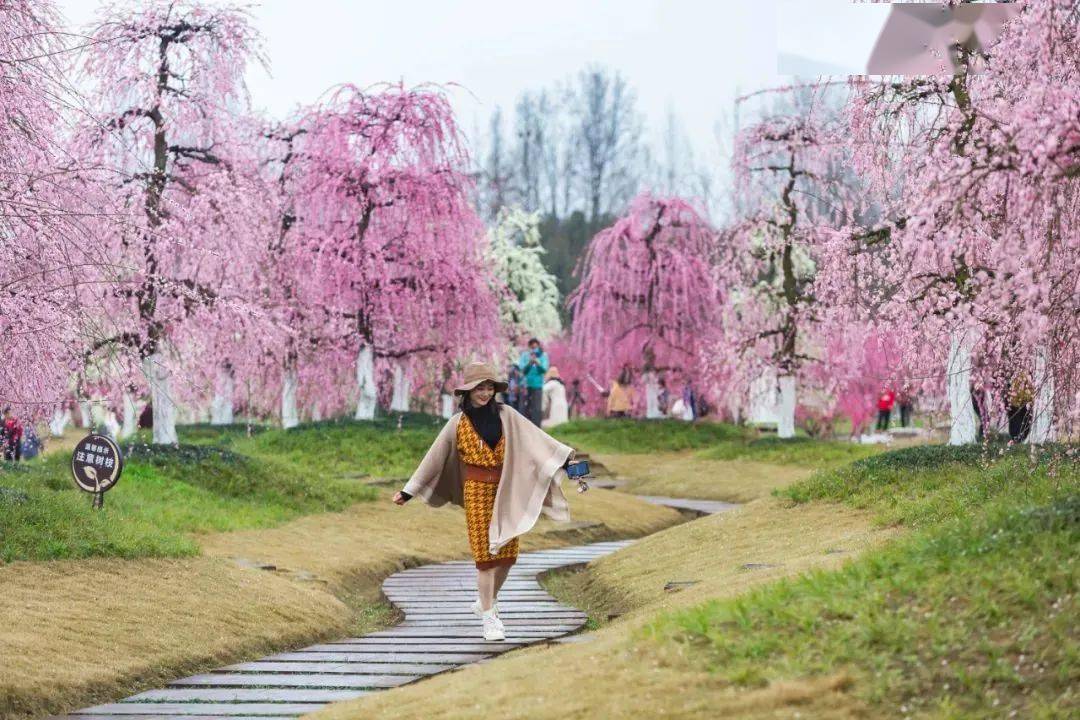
{"x":963,"y":426}
{"x":221,"y":408}
{"x":161,"y":399}
{"x":60,"y":419}
{"x":112,"y":425}
{"x":652,"y":397}
{"x":399,"y":401}
{"x":365,"y":381}
{"x":131,"y":417}
{"x":85,"y":416}
{"x":1042,"y":406}
{"x":785,"y":424}
{"x":447,"y":405}
{"x":289,"y":416}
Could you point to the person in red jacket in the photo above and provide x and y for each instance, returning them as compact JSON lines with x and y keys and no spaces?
{"x":11,"y":436}
{"x":885,"y":403}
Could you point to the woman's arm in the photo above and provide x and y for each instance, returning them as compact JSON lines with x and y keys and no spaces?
{"x":430,"y":467}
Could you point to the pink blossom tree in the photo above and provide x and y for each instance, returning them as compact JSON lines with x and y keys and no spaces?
{"x":974,"y":263}
{"x":44,"y":258}
{"x":390,"y":236}
{"x":793,"y":190}
{"x":167,"y":92}
{"x":648,"y":297}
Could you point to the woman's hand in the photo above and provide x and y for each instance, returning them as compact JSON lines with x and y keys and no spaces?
{"x":399,"y":499}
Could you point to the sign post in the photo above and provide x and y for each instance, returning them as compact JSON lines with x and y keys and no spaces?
{"x":96,"y":465}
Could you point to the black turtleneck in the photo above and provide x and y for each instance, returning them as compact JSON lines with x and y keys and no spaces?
{"x":485,"y":419}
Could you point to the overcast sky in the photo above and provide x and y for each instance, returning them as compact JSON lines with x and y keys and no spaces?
{"x":692,"y":56}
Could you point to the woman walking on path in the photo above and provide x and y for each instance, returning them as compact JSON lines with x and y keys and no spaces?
{"x":556,"y":410}
{"x":503,"y":470}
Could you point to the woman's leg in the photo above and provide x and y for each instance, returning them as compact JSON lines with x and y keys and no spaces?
{"x":486,"y":587}
{"x":500,"y":577}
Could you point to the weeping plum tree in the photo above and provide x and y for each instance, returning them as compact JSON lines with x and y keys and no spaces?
{"x":649,"y":297}
{"x":791,"y":193}
{"x":979,"y":174}
{"x":44,"y":262}
{"x":383,"y":210}
{"x":167,"y":87}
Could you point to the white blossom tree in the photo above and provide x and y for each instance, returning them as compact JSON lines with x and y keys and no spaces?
{"x":531,"y":303}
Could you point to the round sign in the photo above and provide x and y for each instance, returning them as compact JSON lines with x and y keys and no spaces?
{"x":96,"y":463}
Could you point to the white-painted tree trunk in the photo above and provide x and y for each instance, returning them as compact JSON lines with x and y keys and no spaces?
{"x":60,"y":419}
{"x":221,"y":407}
{"x":112,"y":425}
{"x":290,"y":418}
{"x":86,"y":416}
{"x":785,"y":424}
{"x":164,"y":406}
{"x":1042,"y":406}
{"x":365,"y":381}
{"x":316,"y":412}
{"x":447,"y":405}
{"x":963,"y":425}
{"x":652,"y":397}
{"x":399,"y":401}
{"x":131,"y":417}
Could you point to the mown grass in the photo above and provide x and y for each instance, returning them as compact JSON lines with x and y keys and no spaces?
{"x":972,"y":614}
{"x":218,"y":479}
{"x":619,"y":435}
{"x":711,"y":441}
{"x":804,"y":451}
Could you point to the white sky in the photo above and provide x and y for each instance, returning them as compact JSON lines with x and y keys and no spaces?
{"x":692,"y":56}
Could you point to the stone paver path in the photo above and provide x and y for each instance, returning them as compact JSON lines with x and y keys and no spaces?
{"x":439,"y":634}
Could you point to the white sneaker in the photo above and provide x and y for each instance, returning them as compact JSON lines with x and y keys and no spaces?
{"x":478,"y":609}
{"x":493,"y":627}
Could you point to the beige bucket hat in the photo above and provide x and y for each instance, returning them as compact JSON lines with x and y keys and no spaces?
{"x":478,"y":372}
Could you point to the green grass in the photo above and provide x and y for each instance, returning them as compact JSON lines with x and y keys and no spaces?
{"x":618,"y":435}
{"x":712,"y":441}
{"x":820,"y":454}
{"x":218,"y":479}
{"x":971,"y":614}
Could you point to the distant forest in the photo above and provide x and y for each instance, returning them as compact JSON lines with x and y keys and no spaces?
{"x":576,"y":153}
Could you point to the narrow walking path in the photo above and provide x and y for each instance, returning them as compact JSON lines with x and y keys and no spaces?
{"x":439,"y":633}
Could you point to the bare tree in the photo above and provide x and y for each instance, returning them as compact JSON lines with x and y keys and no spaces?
{"x":607,"y":134}
{"x":527,"y":155}
{"x":496,"y":173}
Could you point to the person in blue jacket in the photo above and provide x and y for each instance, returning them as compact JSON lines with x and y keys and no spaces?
{"x":534,"y":365}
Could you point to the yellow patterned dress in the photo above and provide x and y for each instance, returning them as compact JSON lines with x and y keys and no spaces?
{"x":483,"y":466}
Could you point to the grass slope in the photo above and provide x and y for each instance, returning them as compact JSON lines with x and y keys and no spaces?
{"x":969,"y":612}
{"x":714,"y":461}
{"x":218,"y":479}
{"x":87,"y":629}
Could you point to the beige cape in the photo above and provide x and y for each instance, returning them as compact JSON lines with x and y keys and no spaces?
{"x":530,"y":483}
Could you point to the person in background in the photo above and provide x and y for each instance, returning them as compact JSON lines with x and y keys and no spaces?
{"x":577,"y":400}
{"x":885,"y":403}
{"x":1018,"y":398}
{"x":689,"y":398}
{"x":556,"y":411}
{"x":32,"y":445}
{"x":620,"y":398}
{"x":534,"y":365}
{"x":11,"y":433}
{"x":514,"y":388}
{"x":907,"y":404}
{"x":663,"y":397}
